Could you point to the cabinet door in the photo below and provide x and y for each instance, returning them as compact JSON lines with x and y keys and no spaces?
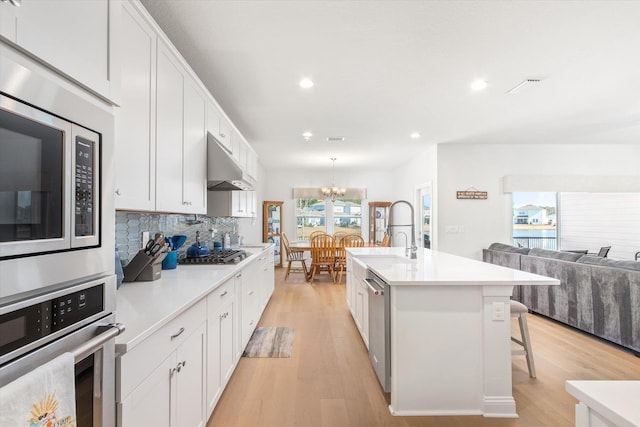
{"x":220,"y":342}
{"x":239,"y":203}
{"x":250,"y":301}
{"x":267,"y":278}
{"x":194,"y":186}
{"x":150,"y":403}
{"x":224,"y":135}
{"x":72,"y":36}
{"x":213,"y":120}
{"x":190,"y":381}
{"x":169,"y":119}
{"x":135,"y":119}
{"x":227,"y":358}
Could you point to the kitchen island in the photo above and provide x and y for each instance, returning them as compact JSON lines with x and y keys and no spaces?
{"x":449,"y":328}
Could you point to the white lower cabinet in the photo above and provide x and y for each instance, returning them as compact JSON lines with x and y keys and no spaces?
{"x":173,"y":393}
{"x":221,"y":355}
{"x":267,"y":277}
{"x":250,"y":301}
{"x":358,"y":296}
{"x":176,"y":375}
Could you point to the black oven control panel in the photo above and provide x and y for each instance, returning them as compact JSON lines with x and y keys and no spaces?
{"x":28,"y":324}
{"x":84,"y":185}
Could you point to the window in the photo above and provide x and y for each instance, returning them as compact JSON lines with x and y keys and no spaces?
{"x":347,"y":216}
{"x":310,"y":217}
{"x":534,"y":220}
{"x":324,"y":215}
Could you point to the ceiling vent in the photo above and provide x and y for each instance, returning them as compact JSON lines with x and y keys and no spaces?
{"x":335,"y":138}
{"x":523,"y":85}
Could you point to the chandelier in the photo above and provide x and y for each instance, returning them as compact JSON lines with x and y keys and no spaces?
{"x":333,"y":192}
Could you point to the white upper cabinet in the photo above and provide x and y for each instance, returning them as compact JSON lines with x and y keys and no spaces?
{"x":218,"y":126}
{"x":169,"y":117}
{"x":194,"y":150}
{"x":73,"y":36}
{"x":181,"y":172}
{"x":162,"y":124}
{"x":136,"y":117}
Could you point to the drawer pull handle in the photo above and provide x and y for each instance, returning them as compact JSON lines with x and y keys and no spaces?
{"x":177,"y":334}
{"x":223,"y":294}
{"x":239,"y":276}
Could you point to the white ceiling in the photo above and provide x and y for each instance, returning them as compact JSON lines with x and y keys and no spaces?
{"x":385,"y":69}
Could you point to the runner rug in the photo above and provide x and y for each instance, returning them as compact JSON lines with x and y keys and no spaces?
{"x":270,"y":341}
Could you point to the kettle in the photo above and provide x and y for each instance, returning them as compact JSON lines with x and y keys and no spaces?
{"x":197,"y":249}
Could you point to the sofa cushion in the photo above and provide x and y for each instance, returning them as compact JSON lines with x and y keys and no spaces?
{"x":608,"y":262}
{"x":546,"y":253}
{"x":508,"y":248}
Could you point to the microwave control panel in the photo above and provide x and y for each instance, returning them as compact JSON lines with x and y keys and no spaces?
{"x":84,"y":185}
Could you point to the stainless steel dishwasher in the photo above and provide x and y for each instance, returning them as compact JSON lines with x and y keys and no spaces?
{"x":379,"y":328}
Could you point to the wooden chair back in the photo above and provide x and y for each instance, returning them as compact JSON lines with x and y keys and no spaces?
{"x":339,"y":235}
{"x":323,"y":249}
{"x":285,"y":243}
{"x":386,"y":240}
{"x":352,"y":241}
{"x":316,"y":233}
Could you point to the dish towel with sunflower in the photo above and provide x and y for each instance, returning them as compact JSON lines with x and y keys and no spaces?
{"x":45,"y":397}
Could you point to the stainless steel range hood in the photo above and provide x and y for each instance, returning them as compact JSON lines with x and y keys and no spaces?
{"x":223,"y":173}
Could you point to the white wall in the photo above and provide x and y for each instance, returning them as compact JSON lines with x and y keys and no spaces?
{"x":280,"y":184}
{"x":483,"y":166}
{"x":592,"y":220}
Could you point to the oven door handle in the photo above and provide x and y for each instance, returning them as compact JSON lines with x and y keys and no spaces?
{"x":89,"y":347}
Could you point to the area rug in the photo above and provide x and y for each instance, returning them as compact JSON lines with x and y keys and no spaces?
{"x":270,"y":341}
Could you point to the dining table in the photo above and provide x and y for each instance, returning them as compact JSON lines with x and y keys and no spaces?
{"x":305,"y":246}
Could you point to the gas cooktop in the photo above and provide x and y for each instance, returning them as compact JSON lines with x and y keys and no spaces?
{"x":225,"y":256}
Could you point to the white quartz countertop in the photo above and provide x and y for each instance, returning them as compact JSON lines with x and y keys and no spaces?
{"x":440,"y":268}
{"x":144,"y":307}
{"x":617,"y":401}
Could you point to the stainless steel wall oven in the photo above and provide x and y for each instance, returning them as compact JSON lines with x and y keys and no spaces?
{"x":80,"y":320}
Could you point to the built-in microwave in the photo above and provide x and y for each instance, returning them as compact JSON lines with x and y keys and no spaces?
{"x":49,"y":182}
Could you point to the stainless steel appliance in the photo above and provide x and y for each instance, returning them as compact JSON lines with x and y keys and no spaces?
{"x":230,"y":256}
{"x":50,"y":186}
{"x":79,"y":319}
{"x":379,"y":328}
{"x":57,"y":214}
{"x":223,"y":173}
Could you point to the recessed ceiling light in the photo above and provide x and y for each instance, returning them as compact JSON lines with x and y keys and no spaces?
{"x":478,"y":84}
{"x":306,"y":83}
{"x":307,"y":136}
{"x":415,"y":135}
{"x":335,"y":138}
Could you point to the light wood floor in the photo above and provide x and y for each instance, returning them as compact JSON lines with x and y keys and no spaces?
{"x":329,"y":381}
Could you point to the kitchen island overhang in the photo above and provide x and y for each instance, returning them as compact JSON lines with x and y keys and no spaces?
{"x":450,"y":331}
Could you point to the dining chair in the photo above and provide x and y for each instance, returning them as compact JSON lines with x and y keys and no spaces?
{"x":386,"y":240}
{"x":323,"y":255}
{"x":338,"y":235}
{"x":348,"y":241}
{"x":316,"y":233}
{"x":293,"y":256}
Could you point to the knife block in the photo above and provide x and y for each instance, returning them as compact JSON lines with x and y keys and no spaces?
{"x":143,"y":267}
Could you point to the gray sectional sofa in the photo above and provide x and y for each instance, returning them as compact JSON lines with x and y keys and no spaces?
{"x":600,"y":296}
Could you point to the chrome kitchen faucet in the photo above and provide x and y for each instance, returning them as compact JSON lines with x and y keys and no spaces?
{"x":414,"y":248}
